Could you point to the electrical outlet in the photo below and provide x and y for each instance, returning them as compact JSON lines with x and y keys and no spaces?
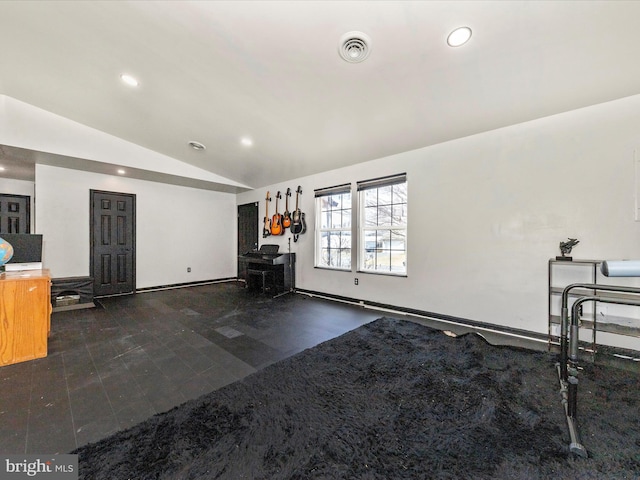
{"x":355,"y":281}
{"x":188,"y":269}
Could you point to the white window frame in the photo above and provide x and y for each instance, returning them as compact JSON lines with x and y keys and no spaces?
{"x":335,"y":256}
{"x":373,"y":259}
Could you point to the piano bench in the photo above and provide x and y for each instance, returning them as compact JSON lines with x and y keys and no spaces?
{"x":264,"y":274}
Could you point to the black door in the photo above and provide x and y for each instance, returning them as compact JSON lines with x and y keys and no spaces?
{"x":113,"y":242}
{"x":15,"y":214}
{"x":247,"y":232}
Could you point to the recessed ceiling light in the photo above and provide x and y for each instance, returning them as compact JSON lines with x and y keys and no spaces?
{"x":246,"y":141}
{"x":197,"y":145}
{"x":459,"y":36}
{"x":2,"y":169}
{"x":121,"y":171}
{"x":129,"y":80}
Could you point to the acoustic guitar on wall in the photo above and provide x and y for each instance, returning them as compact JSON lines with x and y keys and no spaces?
{"x":298,"y":226}
{"x":276,"y":221}
{"x":266,"y":230}
{"x":286,"y":218}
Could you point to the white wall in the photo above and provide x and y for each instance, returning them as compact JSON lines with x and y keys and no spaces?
{"x":176,"y":227}
{"x":19,"y":187}
{"x":16,"y":187}
{"x":487,"y":212}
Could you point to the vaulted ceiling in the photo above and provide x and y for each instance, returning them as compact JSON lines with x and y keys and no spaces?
{"x":216,"y":72}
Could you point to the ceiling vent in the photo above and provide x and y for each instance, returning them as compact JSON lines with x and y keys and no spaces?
{"x":354,"y":47}
{"x":197,"y":145}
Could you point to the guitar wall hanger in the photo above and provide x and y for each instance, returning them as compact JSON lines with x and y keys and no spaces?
{"x":298,"y":225}
{"x":278,"y":223}
{"x":286,"y":219}
{"x":266,"y":229}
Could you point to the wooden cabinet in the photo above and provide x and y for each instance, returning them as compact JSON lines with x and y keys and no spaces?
{"x":25,"y":315}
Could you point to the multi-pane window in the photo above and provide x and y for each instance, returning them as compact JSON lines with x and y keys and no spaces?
{"x":382,"y":229}
{"x":333,"y":227}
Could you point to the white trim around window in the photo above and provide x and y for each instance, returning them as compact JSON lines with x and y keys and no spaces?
{"x":382,"y":225}
{"x":333,"y":244}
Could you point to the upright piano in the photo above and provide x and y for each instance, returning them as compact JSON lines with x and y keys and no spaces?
{"x":283,"y":265}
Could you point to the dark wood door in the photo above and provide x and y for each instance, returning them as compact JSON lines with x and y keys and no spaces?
{"x":247,"y":232}
{"x":113,"y":238}
{"x":15,"y":213}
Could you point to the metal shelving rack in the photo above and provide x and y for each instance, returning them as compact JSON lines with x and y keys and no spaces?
{"x":613,"y":324}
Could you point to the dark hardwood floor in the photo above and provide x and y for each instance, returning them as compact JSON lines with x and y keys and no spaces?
{"x":111,"y":367}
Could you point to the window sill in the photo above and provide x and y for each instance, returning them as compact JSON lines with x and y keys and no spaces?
{"x":333,"y":269}
{"x":387,"y":274}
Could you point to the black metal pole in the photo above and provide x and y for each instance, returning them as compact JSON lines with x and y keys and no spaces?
{"x":570,"y":383}
{"x":564,"y":322}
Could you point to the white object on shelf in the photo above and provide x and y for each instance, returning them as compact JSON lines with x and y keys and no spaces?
{"x":621,"y":268}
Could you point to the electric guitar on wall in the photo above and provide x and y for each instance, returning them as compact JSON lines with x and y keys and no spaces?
{"x":276,"y":221}
{"x":298,"y":226}
{"x":286,"y":219}
{"x":266,"y":230}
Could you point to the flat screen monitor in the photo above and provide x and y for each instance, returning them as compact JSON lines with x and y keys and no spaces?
{"x":27,"y":247}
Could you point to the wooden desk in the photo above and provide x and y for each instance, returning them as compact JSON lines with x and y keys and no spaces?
{"x":25,"y":315}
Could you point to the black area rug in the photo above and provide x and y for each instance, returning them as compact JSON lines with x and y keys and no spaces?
{"x":389,"y":400}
